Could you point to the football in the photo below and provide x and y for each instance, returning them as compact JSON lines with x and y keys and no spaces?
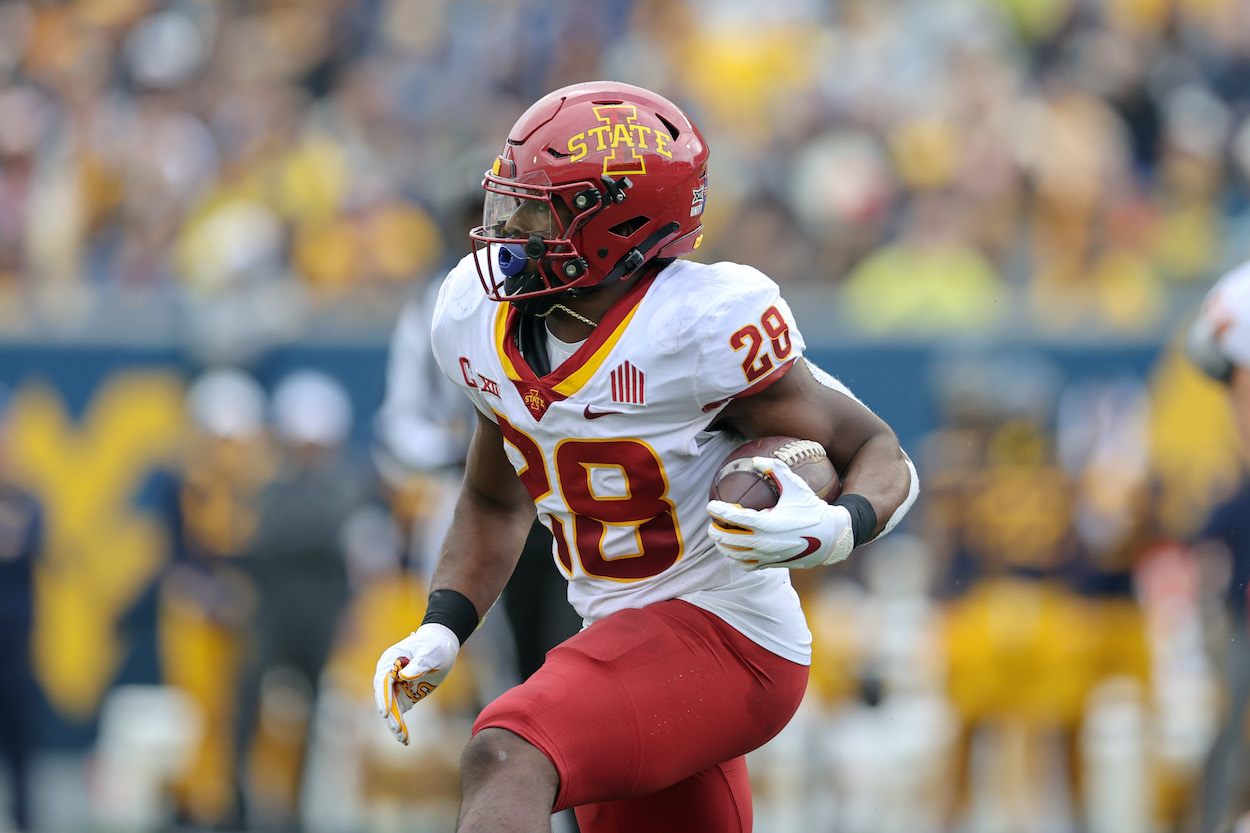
{"x":737,"y":481}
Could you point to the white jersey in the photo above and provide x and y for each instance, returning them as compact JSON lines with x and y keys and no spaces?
{"x":1225,"y":316}
{"x":614,"y":446}
{"x":424,"y":422}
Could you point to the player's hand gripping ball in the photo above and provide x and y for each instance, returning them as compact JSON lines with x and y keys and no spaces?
{"x":739,"y":481}
{"x":768,"y":506}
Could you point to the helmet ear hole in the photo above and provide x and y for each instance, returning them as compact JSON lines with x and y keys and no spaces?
{"x":630,"y":227}
{"x":672,"y":128}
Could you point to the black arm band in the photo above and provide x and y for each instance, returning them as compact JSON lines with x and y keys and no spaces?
{"x":453,"y":610}
{"x":863,"y":517}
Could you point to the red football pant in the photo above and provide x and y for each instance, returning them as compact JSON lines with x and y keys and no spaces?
{"x":646,"y":715}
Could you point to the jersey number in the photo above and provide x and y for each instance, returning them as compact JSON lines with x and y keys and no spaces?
{"x":758,"y":361}
{"x":644,"y":506}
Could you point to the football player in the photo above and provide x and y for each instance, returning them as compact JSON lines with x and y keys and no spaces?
{"x":1219,"y":344}
{"x":611,"y":378}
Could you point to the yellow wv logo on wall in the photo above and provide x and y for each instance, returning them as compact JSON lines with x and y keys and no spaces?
{"x":99,"y":553}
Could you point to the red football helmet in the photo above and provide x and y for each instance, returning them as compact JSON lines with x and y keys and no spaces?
{"x":594,"y":181}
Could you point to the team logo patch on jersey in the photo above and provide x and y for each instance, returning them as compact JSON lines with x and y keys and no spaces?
{"x":488,"y":385}
{"x":536,"y":402}
{"x":628,"y":384}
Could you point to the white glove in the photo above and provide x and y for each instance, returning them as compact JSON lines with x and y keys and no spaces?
{"x":802,"y":530}
{"x":409,"y":670}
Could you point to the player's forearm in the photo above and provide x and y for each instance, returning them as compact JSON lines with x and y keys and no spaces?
{"x":482,"y":547}
{"x":493,"y":515}
{"x":879,"y":471}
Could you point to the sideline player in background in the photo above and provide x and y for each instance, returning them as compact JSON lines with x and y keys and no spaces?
{"x":422,"y":433}
{"x":609,"y":387}
{"x":1219,"y":343}
{"x":423,"y":430}
{"x":296,"y":562}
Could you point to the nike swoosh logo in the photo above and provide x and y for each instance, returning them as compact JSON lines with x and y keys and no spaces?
{"x":813,"y":544}
{"x":589,"y":414}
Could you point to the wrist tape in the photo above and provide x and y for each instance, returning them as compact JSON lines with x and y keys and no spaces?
{"x":863,"y":517}
{"x":453,"y":610}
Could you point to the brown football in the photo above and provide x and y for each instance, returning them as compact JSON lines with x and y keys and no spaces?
{"x":737,"y":481}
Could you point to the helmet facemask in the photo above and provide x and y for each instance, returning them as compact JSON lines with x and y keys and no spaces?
{"x":528,"y":229}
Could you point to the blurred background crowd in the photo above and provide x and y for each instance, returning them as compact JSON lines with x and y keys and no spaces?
{"x":258,"y":168}
{"x":992,"y":217}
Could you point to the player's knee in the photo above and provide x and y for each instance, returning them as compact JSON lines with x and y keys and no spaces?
{"x":495,"y":754}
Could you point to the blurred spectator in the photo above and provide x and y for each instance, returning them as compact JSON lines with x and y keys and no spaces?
{"x":1140,"y":653}
{"x":1014,"y":633}
{"x":1219,"y":343}
{"x":1225,"y":790}
{"x":930,"y":280}
{"x":297,"y":563}
{"x":21,"y":543}
{"x":260,"y":165}
{"x":207,"y":602}
{"x":421,"y":431}
{"x":1043,"y":505}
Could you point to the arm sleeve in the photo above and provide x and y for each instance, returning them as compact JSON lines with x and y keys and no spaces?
{"x":913,"y":490}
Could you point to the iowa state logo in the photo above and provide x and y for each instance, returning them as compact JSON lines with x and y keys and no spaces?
{"x":536,"y":402}
{"x":624,"y":143}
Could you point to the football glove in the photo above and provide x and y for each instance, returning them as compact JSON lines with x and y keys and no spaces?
{"x":801,"y":530}
{"x":411,"y":669}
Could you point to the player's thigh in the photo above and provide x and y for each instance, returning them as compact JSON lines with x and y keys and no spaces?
{"x":717,"y":800}
{"x":646,"y":698}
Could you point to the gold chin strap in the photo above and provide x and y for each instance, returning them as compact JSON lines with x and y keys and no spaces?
{"x":580,"y":318}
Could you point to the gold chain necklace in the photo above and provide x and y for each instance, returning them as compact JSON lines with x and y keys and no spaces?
{"x":579,"y":317}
